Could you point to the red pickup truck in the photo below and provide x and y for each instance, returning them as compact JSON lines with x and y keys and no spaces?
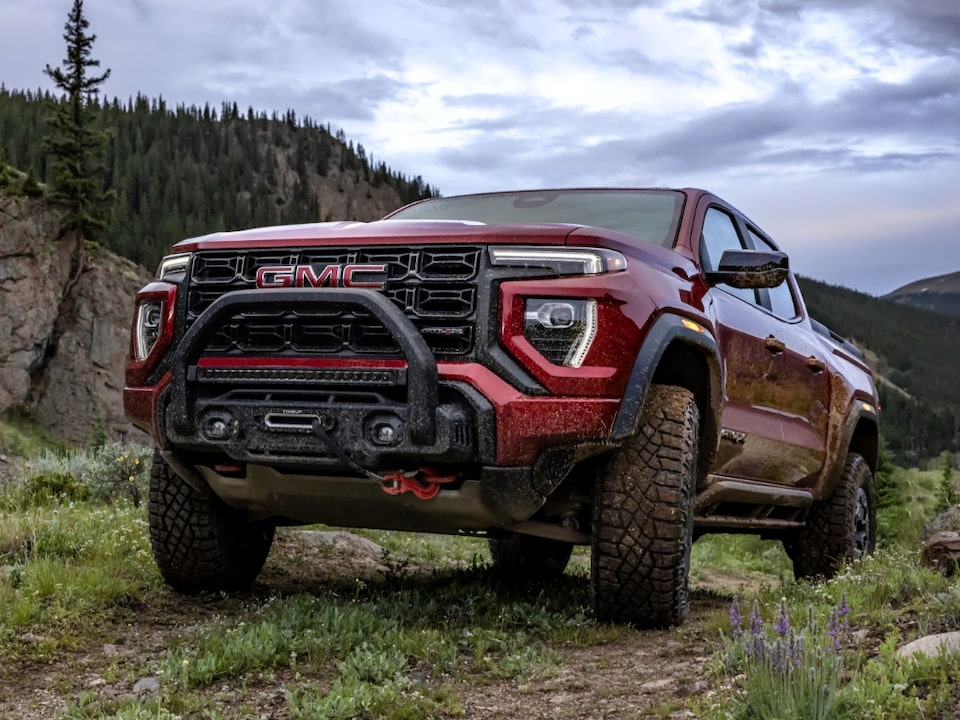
{"x":620,"y":368}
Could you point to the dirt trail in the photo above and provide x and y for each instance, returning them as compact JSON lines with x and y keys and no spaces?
{"x":637,"y":676}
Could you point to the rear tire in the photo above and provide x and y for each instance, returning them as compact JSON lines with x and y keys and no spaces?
{"x":529,"y":557}
{"x":839,"y":529}
{"x":199,"y":543}
{"x":643,"y":516}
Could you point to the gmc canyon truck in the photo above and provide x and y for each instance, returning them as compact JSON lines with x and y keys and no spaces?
{"x":620,"y":368}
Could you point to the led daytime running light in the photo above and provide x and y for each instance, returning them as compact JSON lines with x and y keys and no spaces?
{"x":563,"y":261}
{"x":173,"y":264}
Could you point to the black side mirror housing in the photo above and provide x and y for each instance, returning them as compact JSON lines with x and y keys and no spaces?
{"x":748,"y":269}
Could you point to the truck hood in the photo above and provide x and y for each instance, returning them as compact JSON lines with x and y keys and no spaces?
{"x":383,"y":232}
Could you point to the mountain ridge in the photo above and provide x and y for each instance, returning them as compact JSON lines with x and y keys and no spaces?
{"x":939,"y":294}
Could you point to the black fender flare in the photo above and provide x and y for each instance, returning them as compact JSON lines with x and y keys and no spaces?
{"x":861,"y":409}
{"x":665,"y":331}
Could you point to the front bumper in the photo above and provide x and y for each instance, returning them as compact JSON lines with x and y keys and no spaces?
{"x":246,"y":426}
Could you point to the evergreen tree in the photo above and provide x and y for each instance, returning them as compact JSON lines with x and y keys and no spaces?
{"x":76,"y":144}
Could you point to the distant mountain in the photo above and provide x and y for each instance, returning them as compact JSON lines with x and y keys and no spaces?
{"x":939,"y":294}
{"x":913,"y":354}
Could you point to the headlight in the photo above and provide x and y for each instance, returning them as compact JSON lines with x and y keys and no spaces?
{"x":561,"y":330}
{"x":173,"y":264}
{"x":149,"y":324}
{"x":562,"y":261}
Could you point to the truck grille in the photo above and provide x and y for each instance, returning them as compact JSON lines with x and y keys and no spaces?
{"x":435,"y":287}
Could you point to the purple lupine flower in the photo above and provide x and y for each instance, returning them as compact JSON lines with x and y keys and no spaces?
{"x":736,"y":620}
{"x":844,"y":612}
{"x":796,"y":649}
{"x":775,"y":656}
{"x":758,"y":649}
{"x":838,"y":626}
{"x":844,"y":609}
{"x":756,"y":622}
{"x":783,"y":620}
{"x":833,"y":630}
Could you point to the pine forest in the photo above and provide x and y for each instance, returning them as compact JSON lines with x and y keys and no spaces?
{"x":178,"y":172}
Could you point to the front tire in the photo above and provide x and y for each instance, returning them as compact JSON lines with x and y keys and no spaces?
{"x":839,"y":529}
{"x":643,"y":516}
{"x":199,"y":543}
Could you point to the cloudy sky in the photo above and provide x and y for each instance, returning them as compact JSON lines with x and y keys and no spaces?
{"x":834,"y":124}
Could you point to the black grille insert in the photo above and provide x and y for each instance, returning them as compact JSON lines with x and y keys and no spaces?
{"x":435,"y":287}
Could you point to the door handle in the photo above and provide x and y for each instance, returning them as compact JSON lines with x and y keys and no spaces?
{"x":775,"y":346}
{"x":815,"y":364}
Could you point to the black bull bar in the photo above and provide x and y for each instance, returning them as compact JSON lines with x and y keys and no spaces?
{"x":421,"y":376}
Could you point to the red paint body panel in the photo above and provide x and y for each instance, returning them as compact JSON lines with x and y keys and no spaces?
{"x":786,"y":394}
{"x":378,"y":233}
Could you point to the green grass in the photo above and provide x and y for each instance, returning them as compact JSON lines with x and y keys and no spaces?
{"x":62,"y":568}
{"x":21,"y":435}
{"x":891,"y":600}
{"x":397,"y":643}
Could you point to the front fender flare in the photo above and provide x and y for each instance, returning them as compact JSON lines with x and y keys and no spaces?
{"x":665,"y":331}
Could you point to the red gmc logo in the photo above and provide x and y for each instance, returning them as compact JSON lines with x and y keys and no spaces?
{"x":372,"y":277}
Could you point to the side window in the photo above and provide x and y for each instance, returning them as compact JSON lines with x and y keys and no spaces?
{"x":780,"y":298}
{"x":719,"y":234}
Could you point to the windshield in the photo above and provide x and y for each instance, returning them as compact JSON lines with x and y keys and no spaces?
{"x":649,"y":215}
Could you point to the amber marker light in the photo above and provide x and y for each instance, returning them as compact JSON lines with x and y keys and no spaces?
{"x":691,"y":325}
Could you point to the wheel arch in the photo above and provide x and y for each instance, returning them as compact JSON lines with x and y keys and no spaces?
{"x":678,"y":352}
{"x":861,"y":435}
{"x":865,"y":439}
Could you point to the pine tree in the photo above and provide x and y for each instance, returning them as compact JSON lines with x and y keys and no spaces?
{"x":75,"y":144}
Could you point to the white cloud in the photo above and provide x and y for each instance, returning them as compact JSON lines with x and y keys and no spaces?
{"x":834,"y":121}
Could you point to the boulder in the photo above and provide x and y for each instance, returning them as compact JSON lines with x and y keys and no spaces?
{"x":932,"y":645}
{"x":948,"y":520}
{"x":941,"y":551}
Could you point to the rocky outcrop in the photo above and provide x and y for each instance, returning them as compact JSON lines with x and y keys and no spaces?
{"x":62,"y":355}
{"x":83,"y":379}
{"x":34,"y":270}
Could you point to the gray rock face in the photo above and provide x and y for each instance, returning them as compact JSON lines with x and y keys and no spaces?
{"x":84,"y":377}
{"x":34,"y":270}
{"x":63,"y":356}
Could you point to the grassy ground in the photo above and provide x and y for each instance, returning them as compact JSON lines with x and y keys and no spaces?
{"x":413,"y":626}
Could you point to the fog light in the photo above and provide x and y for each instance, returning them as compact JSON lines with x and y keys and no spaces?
{"x":561,"y":330}
{"x":149,"y":323}
{"x":384,"y":434}
{"x":218,"y":425}
{"x":384,"y":430}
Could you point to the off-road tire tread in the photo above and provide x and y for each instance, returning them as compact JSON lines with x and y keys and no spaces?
{"x":643,"y":516}
{"x":527,"y":557}
{"x":199,"y":543}
{"x":826,"y":543}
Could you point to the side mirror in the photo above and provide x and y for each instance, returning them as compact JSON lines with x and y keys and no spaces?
{"x":747,"y":269}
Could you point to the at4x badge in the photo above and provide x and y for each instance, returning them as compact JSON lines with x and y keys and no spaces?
{"x":371,"y":277}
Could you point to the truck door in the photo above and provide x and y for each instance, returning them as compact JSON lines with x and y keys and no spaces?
{"x":804,"y":381}
{"x":752,"y":347}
